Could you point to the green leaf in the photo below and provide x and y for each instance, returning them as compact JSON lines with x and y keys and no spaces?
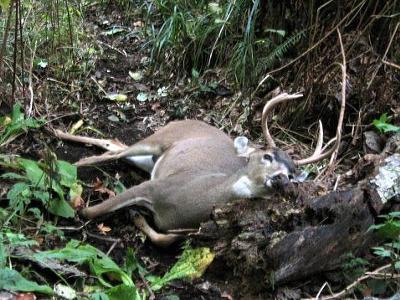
{"x":99,"y":296}
{"x":43,"y":196}
{"x":382,"y":252}
{"x":33,"y":172}
{"x":99,"y":263}
{"x":19,"y":196}
{"x":389,"y":229}
{"x":11,"y":280}
{"x":123,"y":292}
{"x":60,"y":207}
{"x":132,"y":263}
{"x":383,"y":125}
{"x":191,"y":264}
{"x":13,"y":176}
{"x":19,"y":240}
{"x":68,"y":173}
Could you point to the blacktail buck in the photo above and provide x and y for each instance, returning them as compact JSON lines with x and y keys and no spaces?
{"x":193,"y":168}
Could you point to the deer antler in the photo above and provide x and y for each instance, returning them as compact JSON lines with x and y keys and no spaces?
{"x":269,"y":106}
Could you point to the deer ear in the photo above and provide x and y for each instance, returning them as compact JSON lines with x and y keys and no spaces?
{"x":242,"y":147}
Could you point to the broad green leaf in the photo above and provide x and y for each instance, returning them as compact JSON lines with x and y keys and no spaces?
{"x":13,"y":176}
{"x":33,"y":172}
{"x":99,"y":263}
{"x":124,"y":292}
{"x":11,"y":280}
{"x":43,"y":196}
{"x":60,"y":207}
{"x":19,"y":196}
{"x":68,"y":173}
{"x":397,"y":265}
{"x":389,"y":229}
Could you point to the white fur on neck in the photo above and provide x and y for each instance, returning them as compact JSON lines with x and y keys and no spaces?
{"x":243,"y":187}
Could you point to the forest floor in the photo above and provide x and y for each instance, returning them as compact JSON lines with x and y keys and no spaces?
{"x":153,"y":99}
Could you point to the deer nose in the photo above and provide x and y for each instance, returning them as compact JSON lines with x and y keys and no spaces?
{"x":278,"y":182}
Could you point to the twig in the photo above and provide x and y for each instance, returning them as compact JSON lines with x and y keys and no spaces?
{"x":390,"y":64}
{"x":322,"y":288}
{"x":103,"y":238}
{"x":113,"y":246}
{"x":349,"y":288}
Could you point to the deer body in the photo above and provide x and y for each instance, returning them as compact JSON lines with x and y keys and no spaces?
{"x":195,"y":167}
{"x":198,"y":170}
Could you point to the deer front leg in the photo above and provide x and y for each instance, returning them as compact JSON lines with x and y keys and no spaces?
{"x":139,"y":196}
{"x":159,"y":239}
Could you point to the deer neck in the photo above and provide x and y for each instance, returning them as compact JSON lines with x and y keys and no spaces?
{"x":240,"y":186}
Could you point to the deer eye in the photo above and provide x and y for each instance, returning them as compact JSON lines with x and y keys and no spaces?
{"x":267,"y":157}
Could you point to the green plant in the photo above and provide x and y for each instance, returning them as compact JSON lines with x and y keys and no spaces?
{"x":390,"y":230}
{"x":202,"y":34}
{"x":42,"y":182}
{"x":12,"y":280}
{"x":383,"y":126}
{"x":16,"y":124}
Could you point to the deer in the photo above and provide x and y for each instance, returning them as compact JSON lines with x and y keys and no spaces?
{"x":195,"y":167}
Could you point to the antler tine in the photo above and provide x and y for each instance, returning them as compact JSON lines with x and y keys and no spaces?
{"x":268,"y":108}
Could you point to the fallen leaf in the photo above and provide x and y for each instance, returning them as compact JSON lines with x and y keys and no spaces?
{"x":136,"y":75}
{"x":99,"y":187}
{"x":116,"y":97}
{"x":76,"y":126}
{"x":142,"y":97}
{"x":113,"y":118}
{"x":103,"y":229}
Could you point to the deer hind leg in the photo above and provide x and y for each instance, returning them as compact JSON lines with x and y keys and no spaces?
{"x":159,"y":239}
{"x":141,"y":155}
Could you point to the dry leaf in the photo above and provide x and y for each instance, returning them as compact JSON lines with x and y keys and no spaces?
{"x":103,"y":229}
{"x":99,"y":187}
